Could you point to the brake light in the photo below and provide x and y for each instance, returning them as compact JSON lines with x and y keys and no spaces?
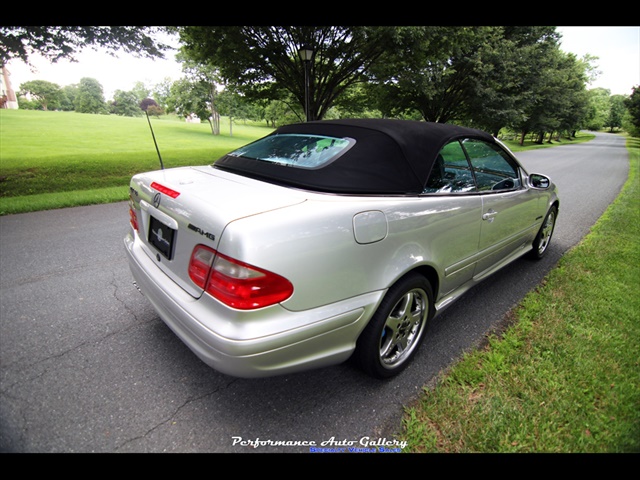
{"x":165,"y":190}
{"x":133,"y":216}
{"x":236,"y":284}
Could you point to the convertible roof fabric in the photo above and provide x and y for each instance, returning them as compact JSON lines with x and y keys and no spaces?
{"x":389,"y":156}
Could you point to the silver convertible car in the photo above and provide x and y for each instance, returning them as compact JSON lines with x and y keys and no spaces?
{"x":331,"y":239}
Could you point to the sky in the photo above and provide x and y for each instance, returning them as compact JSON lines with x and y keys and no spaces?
{"x":121,"y":72}
{"x":617,"y":49}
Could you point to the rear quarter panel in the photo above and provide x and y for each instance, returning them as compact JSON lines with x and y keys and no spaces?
{"x":313,"y":244}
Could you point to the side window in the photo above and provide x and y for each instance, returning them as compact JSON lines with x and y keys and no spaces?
{"x":492,"y":167}
{"x":451,"y":172}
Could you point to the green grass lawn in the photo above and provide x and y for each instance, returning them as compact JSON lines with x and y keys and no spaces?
{"x":60,"y":159}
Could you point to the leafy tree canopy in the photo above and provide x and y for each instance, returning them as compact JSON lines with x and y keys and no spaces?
{"x":125,"y":104}
{"x":264,"y":62}
{"x":49,"y":94}
{"x":633,"y":105}
{"x":56,"y":42}
{"x":90,"y":97}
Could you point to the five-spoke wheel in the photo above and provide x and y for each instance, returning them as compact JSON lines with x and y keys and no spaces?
{"x":542,"y":240}
{"x":397,"y":328}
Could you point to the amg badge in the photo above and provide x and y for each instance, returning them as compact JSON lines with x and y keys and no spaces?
{"x":210,"y":236}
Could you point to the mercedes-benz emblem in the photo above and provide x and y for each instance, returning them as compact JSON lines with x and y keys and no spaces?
{"x":156,"y":200}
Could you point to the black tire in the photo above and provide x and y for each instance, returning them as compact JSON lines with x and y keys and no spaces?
{"x":543,"y":238}
{"x":397,"y":328}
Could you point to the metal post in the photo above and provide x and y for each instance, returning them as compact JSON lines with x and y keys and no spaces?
{"x":306,"y":53}
{"x":306,"y":89}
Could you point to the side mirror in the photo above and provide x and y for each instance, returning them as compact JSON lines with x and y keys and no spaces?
{"x":539,"y":181}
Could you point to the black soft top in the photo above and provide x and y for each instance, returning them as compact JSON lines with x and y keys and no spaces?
{"x":389,"y":156}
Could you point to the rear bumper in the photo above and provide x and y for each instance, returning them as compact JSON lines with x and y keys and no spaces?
{"x":266,"y":342}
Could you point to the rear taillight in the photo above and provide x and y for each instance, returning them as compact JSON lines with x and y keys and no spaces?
{"x":200,"y":264}
{"x":133,"y":216}
{"x":236,"y":284}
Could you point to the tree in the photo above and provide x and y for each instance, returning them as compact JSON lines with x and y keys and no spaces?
{"x":570,"y":103}
{"x":424,"y":75}
{"x":507,"y":75}
{"x":55,"y":43}
{"x":236,"y":107}
{"x":48,"y":94}
{"x":141,"y":91}
{"x":557,"y":98}
{"x":206,"y":79}
{"x":481,"y":76}
{"x":162,"y":91}
{"x":188,"y":97}
{"x":599,"y":104}
{"x":68,"y":102}
{"x":356,"y":102}
{"x":146,"y":103}
{"x":264,"y":62}
{"x":633,"y":107}
{"x":125,"y":104}
{"x":278,"y":113}
{"x":616,"y":113}
{"x":151,"y":107}
{"x":591,"y":68}
{"x":90,"y":97}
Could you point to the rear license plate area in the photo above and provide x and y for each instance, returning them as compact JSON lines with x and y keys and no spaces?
{"x":161,"y":236}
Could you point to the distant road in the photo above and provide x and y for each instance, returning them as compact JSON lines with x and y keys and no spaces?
{"x":87,"y":366}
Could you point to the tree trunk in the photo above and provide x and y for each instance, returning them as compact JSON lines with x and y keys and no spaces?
{"x":214,"y":121}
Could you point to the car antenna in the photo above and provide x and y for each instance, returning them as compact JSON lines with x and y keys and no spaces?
{"x":154,"y":140}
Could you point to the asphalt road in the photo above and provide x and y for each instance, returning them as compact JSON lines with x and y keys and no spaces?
{"x":87,"y":366}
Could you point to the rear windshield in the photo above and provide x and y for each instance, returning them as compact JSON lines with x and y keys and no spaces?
{"x":296,"y":150}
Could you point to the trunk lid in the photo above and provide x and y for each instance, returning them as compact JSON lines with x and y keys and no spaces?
{"x":180,"y":208}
